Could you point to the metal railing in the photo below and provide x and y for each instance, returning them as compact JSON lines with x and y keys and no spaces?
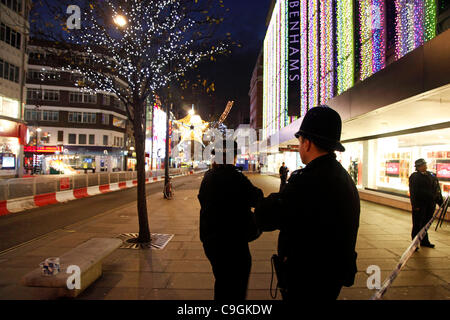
{"x":41,"y":184}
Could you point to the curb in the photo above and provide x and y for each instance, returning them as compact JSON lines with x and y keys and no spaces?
{"x":21,"y":204}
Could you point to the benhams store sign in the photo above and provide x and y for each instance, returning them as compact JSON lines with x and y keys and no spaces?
{"x":294,"y":59}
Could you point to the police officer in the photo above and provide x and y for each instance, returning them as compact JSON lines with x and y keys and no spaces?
{"x":317,"y":213}
{"x":424,"y":193}
{"x":227,"y":224}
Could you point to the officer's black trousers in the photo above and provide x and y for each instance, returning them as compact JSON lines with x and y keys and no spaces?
{"x":420,"y":218}
{"x":231,"y":264}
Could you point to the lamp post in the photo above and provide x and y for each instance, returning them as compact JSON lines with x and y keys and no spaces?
{"x":166,"y":158}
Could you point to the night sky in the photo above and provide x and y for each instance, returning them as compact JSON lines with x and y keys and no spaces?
{"x":231,"y":74}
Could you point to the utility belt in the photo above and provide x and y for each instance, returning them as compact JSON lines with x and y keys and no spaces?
{"x":280,"y":265}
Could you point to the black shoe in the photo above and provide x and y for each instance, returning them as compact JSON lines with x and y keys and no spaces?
{"x":417,"y":249}
{"x":428,"y":245}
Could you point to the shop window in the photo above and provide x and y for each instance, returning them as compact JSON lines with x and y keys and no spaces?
{"x":81,"y":139}
{"x":92,"y":139}
{"x":9,"y":107}
{"x":60,"y":136}
{"x":72,"y":138}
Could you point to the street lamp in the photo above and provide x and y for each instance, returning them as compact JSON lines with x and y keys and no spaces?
{"x":120,"y":20}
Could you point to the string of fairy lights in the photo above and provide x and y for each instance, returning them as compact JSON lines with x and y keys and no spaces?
{"x":327,"y":42}
{"x":153,"y":47}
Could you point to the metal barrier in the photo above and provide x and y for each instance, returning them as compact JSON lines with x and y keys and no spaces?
{"x":42,"y":184}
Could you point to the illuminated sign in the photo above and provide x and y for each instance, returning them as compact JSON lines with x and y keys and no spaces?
{"x":393,"y":168}
{"x":43,"y":149}
{"x":159,"y":132}
{"x":443,"y":170}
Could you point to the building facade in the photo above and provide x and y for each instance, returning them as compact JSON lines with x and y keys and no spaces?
{"x":13,"y":65}
{"x":384,"y":66}
{"x":70,"y":130}
{"x":256,"y":94}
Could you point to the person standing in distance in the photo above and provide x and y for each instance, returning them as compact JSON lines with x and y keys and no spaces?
{"x":424,"y":193}
{"x":227,"y":224}
{"x":317,"y":213}
{"x":283,"y":175}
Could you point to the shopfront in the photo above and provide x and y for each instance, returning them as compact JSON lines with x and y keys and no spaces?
{"x":389,"y":161}
{"x":12,"y":137}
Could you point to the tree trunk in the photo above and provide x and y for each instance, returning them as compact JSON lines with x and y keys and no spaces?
{"x":139,"y":138}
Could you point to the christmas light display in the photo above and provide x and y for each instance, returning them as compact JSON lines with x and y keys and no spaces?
{"x":304,"y":57}
{"x":275,"y":98}
{"x":151,"y":46}
{"x":415,"y":24}
{"x":313,"y":54}
{"x":373,"y":36}
{"x":345,"y":45}
{"x":326,"y":51}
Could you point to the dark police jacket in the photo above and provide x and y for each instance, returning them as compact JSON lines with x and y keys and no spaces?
{"x":226,"y":197}
{"x":317,"y":214}
{"x":283,"y":172}
{"x":424,"y":190}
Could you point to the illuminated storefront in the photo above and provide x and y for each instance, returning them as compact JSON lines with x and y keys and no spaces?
{"x":159,"y":137}
{"x":385,"y":164}
{"x":13,"y":135}
{"x":383,"y":66}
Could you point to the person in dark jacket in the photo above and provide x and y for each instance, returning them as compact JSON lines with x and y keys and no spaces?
{"x":283,"y":175}
{"x":425,"y":193}
{"x":317,"y":213}
{"x":227,"y":225}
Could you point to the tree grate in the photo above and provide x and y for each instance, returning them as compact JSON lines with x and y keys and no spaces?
{"x":159,"y":241}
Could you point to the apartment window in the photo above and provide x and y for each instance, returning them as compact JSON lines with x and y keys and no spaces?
{"x":33,"y":94}
{"x":106,"y":100}
{"x":105,"y":140}
{"x":51,"y":95}
{"x":75,"y":117}
{"x":105,"y":119}
{"x":15,"y":5}
{"x":60,"y":136}
{"x":81,"y":139}
{"x":32,"y":115}
{"x":9,"y":71}
{"x":48,"y":115}
{"x":34,"y":74}
{"x":10,"y":36}
{"x":76,"y":97}
{"x":72,"y":138}
{"x":89,"y":117}
{"x":92,"y":139}
{"x":34,"y":55}
{"x":89,"y":98}
{"x":79,"y":97}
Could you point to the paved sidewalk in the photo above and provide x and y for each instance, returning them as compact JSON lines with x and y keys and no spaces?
{"x":182,"y":271}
